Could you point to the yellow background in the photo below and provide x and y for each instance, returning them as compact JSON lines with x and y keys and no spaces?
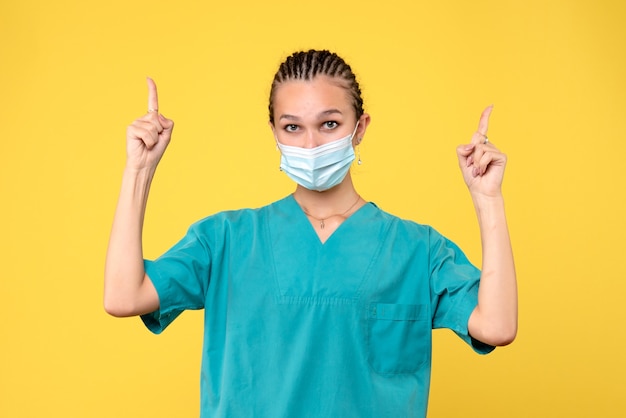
{"x":73,"y":76}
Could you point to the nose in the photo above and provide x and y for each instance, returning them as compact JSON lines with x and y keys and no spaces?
{"x":311,"y":139}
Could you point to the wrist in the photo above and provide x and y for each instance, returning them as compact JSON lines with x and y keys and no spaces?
{"x":481,"y":199}
{"x":136,"y":183}
{"x":139,"y":173}
{"x":489,"y":209}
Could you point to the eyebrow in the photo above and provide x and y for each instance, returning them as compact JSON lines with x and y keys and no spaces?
{"x":319,"y":116}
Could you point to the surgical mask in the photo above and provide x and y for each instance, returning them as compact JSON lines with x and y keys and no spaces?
{"x":320,"y":168}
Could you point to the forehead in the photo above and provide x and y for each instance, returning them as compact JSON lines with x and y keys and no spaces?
{"x":317,"y":94}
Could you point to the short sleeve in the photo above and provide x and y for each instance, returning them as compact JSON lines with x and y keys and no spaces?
{"x":454,"y":289}
{"x":180,"y":277}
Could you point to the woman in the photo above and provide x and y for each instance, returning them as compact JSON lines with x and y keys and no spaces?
{"x":320,"y":304}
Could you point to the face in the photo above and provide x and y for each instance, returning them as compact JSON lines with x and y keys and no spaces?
{"x":311,"y":113}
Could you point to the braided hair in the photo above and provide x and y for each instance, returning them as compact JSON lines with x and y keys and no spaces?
{"x":305,"y":65}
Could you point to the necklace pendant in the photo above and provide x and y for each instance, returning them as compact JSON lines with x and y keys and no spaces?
{"x":322,"y":225}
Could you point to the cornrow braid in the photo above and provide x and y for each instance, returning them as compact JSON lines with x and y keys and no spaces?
{"x":305,"y":65}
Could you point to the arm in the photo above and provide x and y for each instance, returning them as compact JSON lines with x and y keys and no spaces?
{"x":127,"y":289}
{"x":494,"y":320}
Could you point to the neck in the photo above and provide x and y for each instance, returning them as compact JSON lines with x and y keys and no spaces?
{"x":329,"y":202}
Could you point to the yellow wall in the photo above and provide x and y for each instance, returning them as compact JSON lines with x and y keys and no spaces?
{"x":72,"y":76}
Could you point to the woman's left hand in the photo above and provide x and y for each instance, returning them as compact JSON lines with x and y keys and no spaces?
{"x":482,"y":164}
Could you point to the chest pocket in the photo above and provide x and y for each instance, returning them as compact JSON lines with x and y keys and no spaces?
{"x":399,"y":338}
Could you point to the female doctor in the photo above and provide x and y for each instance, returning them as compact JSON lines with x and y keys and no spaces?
{"x":319,"y":304}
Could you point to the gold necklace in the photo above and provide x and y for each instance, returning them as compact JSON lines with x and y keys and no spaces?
{"x":321,"y":220}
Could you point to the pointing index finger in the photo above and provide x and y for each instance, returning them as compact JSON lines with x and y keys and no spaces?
{"x":153,"y":98}
{"x":483,"y":124}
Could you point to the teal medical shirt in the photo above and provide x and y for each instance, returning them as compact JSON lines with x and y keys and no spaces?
{"x":297,"y":328}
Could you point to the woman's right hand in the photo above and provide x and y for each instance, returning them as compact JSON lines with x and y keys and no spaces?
{"x":148,"y":137}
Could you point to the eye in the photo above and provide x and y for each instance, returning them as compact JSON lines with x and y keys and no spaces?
{"x":331,"y":124}
{"x":291,"y":127}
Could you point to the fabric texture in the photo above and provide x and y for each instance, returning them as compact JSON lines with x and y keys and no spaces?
{"x":297,"y":328}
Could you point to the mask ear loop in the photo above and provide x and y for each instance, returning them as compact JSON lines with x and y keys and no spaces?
{"x":278,"y":149}
{"x":358,"y":142}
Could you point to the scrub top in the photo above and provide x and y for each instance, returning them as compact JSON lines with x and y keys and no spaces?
{"x":299,"y":328}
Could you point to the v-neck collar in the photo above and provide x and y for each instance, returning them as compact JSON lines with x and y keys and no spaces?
{"x":301,"y":217}
{"x":307,"y":269}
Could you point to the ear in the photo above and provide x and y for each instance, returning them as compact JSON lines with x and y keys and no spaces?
{"x":273,"y":128}
{"x":364,"y":122}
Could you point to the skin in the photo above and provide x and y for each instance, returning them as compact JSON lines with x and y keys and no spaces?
{"x":494,"y":320}
{"x":127,"y":289}
{"x":309,"y":114}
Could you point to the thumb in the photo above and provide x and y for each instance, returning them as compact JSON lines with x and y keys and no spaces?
{"x":465,"y":150}
{"x":464,"y":154}
{"x":166,"y":123}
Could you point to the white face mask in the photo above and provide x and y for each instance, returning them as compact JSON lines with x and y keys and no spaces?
{"x":319,"y":168}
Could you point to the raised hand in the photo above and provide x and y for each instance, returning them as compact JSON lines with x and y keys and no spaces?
{"x":494,"y":320}
{"x":482,"y":164}
{"x":148,"y":137}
